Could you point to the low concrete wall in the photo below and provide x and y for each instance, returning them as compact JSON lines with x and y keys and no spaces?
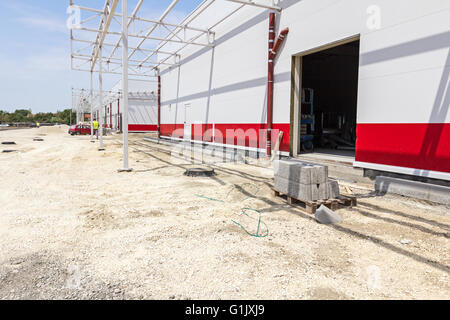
{"x":413,"y":189}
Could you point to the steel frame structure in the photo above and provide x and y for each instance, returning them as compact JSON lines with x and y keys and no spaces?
{"x":82,"y":98}
{"x":129,"y":65}
{"x":80,"y":103}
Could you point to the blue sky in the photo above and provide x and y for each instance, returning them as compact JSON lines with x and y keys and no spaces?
{"x":35,"y":51}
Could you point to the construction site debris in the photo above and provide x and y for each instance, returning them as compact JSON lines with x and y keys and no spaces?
{"x":327,"y":216}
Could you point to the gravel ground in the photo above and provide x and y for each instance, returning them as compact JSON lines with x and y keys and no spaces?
{"x":72,"y":227}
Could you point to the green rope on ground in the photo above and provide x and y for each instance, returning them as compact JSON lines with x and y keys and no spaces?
{"x":208,"y":198}
{"x":257,"y":234}
{"x":244,"y":211}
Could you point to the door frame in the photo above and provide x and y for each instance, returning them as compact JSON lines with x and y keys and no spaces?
{"x":296,"y":90}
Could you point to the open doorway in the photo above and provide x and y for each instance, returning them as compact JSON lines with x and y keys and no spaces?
{"x":327,"y":100}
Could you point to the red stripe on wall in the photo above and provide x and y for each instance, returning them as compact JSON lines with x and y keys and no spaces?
{"x":168,"y":130}
{"x":285,"y":127}
{"x":419,"y":146}
{"x":142,"y":127}
{"x":242,"y":134}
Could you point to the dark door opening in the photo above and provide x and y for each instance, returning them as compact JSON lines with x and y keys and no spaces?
{"x":329,"y":100}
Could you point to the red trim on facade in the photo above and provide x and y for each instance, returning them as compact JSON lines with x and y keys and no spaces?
{"x":420,"y":146}
{"x":417,"y":146}
{"x":168,"y":129}
{"x":142,"y":127}
{"x":243,"y":134}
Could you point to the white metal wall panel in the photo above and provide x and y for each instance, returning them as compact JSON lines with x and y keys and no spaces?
{"x":403,"y":79}
{"x":226,"y":84}
{"x":403,"y":65}
{"x":142,"y":115}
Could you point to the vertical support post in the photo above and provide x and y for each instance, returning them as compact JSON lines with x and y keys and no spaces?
{"x":100,"y":94}
{"x":92,"y":102}
{"x":110,"y":115}
{"x":78,"y":107}
{"x":118,"y":115}
{"x":82,"y":100}
{"x":72,"y":104}
{"x":125,"y":84}
{"x":74,"y":107}
{"x":159,"y":105}
{"x":270,"y":85}
{"x":71,"y":111}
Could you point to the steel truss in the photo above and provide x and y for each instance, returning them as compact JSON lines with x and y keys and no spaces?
{"x":177,"y":33}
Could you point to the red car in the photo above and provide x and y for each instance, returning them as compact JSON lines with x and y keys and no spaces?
{"x":79,"y":129}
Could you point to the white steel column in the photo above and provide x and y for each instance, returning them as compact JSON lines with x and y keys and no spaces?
{"x":125,"y":85}
{"x":100,"y":95}
{"x":91,"y":103}
{"x":73,"y":105}
{"x":77,"y":110}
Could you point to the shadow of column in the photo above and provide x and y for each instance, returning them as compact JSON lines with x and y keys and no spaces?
{"x":436,"y":123}
{"x":208,"y":102}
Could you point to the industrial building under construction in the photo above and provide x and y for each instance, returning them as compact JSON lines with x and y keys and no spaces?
{"x":227,"y":149}
{"x":363,"y":80}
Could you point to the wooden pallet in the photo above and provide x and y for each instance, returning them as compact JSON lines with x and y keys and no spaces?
{"x":312,"y":206}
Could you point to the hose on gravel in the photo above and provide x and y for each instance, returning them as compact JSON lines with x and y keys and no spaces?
{"x":245,"y":212}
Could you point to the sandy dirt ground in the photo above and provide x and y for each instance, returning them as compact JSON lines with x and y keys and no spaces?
{"x":72,"y":227}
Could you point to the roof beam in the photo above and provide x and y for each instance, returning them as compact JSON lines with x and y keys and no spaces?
{"x":163,"y":16}
{"x":86,"y":57}
{"x":177,"y":52}
{"x":149,"y":38}
{"x":130,"y":21}
{"x":104,"y":26}
{"x":199,"y":10}
{"x":106,"y":44}
{"x":137,"y":18}
{"x":75,"y":68}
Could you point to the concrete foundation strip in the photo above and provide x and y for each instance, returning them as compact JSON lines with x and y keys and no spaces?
{"x":413,"y":189}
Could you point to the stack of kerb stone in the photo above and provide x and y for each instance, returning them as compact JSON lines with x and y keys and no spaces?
{"x":304,"y":181}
